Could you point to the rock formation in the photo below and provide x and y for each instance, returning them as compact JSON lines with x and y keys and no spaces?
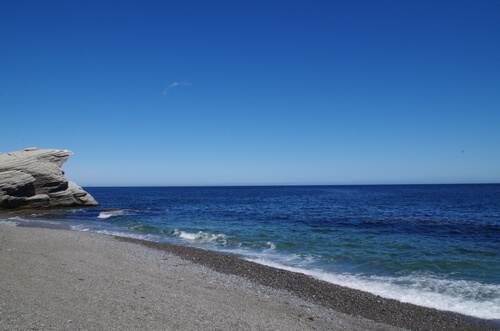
{"x":33,"y":178}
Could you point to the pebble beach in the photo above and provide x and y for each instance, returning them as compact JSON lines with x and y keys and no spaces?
{"x":52,"y":279}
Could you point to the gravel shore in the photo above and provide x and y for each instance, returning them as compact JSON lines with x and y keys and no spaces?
{"x":67,"y":280}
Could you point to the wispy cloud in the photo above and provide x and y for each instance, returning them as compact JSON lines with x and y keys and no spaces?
{"x":175,"y":84}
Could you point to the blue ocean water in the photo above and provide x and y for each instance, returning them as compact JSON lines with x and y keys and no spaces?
{"x":432,"y":245}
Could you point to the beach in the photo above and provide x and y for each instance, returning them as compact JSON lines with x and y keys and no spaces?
{"x":54,"y":279}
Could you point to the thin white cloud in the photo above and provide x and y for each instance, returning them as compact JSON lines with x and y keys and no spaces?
{"x":175,"y":84}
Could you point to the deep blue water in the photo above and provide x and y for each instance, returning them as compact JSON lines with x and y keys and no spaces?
{"x":433,"y":245}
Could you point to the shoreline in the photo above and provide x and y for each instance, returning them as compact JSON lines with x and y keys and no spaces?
{"x":333,"y":296}
{"x":359,"y":307}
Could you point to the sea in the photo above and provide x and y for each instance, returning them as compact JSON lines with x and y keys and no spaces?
{"x":431,"y":245}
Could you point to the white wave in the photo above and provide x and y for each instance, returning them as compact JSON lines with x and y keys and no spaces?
{"x":79,"y":227}
{"x":128,"y":235}
{"x":118,"y":233}
{"x":465,"y":297}
{"x":18,"y":218}
{"x":270,"y":246}
{"x":201,"y":236}
{"x":71,"y":210}
{"x":111,"y":213}
{"x":250,"y":254}
{"x":8,"y":222}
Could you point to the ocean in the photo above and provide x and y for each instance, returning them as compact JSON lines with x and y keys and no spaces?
{"x":432,"y":245}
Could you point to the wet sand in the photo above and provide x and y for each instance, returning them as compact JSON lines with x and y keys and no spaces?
{"x":58,"y":280}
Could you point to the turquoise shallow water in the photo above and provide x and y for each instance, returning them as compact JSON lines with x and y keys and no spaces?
{"x":432,"y":245}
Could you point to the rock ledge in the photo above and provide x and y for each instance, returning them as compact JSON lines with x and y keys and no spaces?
{"x":33,"y":178}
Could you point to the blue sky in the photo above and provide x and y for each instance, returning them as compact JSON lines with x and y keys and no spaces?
{"x":255,"y":92}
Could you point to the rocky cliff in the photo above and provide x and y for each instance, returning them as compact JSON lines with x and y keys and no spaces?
{"x":33,"y":178}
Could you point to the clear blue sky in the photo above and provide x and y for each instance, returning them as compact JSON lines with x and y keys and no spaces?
{"x":255,"y":92}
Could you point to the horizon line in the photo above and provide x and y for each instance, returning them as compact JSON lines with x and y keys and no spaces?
{"x":292,"y":185}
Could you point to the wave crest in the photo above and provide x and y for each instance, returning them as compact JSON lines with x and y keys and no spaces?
{"x":111,"y":213}
{"x":201,"y":236}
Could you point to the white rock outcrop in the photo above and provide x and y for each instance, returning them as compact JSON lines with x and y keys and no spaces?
{"x":33,"y":178}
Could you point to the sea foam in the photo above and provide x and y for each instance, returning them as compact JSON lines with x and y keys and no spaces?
{"x":465,"y":297}
{"x":9,"y":221}
{"x":201,"y":236}
{"x":108,"y":214}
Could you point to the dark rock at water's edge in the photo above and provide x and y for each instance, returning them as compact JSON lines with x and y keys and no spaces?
{"x":33,"y":178}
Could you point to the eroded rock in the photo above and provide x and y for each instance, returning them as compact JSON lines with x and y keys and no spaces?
{"x":33,"y":178}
